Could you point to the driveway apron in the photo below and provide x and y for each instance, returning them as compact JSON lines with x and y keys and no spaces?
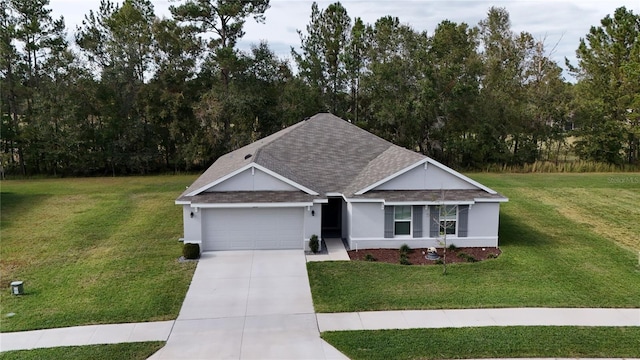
{"x":248,"y":305}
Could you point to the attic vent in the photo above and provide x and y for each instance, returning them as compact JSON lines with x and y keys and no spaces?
{"x":247,"y":156}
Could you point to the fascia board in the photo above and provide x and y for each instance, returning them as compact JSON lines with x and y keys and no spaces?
{"x":284,"y":179}
{"x":451,"y":202}
{"x":250,"y":205}
{"x":182,"y":202}
{"x":500,"y":200}
{"x":355,"y":200}
{"x":219,"y":180}
{"x":380,"y":182}
{"x":460,"y":176}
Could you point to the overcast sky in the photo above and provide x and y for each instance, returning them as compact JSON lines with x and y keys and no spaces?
{"x":561,"y":22}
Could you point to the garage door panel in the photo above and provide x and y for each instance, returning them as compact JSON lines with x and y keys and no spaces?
{"x":248,"y":229}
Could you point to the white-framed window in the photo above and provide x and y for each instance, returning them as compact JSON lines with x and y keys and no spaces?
{"x":448,"y":220}
{"x":402,"y":220}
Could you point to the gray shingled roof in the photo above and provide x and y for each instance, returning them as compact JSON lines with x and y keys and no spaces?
{"x":323,"y":153}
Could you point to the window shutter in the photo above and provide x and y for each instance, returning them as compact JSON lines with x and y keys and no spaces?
{"x":388,"y":221}
{"x":417,"y":221}
{"x":463,"y":220}
{"x":434,"y":221}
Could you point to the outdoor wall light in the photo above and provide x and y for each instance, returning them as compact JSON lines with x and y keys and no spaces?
{"x":192,"y":214}
{"x":313,"y":213}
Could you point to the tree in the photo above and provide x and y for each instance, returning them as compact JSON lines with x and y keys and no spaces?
{"x":30,"y":37}
{"x":118,"y":40}
{"x":324,"y":52}
{"x":224,"y":19}
{"x":608,"y":71}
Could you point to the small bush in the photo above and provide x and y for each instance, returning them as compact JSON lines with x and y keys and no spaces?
{"x":191,"y":251}
{"x":467,"y":257}
{"x":452,"y":247}
{"x":404,"y":260}
{"x":492,"y":256}
{"x":405,"y":249}
{"x":439,"y":262}
{"x":370,"y":257}
{"x":314,"y":243}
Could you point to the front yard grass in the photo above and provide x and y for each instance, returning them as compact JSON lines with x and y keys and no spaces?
{"x":567,"y":240}
{"x":488,"y":342}
{"x":130,"y":351}
{"x":91,"y":251}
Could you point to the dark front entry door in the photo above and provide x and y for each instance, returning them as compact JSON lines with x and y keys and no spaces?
{"x":332,"y":218}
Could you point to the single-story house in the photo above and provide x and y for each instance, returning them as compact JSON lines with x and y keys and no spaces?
{"x":328,"y":177}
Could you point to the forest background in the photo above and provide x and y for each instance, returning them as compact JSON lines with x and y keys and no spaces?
{"x":136,"y":94}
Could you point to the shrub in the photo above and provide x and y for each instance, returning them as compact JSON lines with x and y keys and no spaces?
{"x":191,"y":251}
{"x":314,"y":243}
{"x":404,"y":260}
{"x":452,"y":247}
{"x":370,"y":257}
{"x":405,"y":249}
{"x":467,"y":257}
{"x":492,"y":256}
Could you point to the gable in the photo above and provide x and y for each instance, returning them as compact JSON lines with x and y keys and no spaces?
{"x":426,"y":177}
{"x":252,"y":179}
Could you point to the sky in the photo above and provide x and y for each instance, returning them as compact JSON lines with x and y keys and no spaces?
{"x":560,"y":23}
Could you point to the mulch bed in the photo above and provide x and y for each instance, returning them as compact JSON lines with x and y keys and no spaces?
{"x":417,"y":256}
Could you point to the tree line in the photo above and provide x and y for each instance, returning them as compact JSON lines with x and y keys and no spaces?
{"x":133,"y":93}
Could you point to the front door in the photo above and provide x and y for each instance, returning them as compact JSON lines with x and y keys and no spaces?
{"x":332,"y":218}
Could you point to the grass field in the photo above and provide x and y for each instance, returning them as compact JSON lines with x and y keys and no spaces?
{"x":568,"y":240}
{"x":91,"y":251}
{"x":488,"y":342}
{"x":129,"y":351}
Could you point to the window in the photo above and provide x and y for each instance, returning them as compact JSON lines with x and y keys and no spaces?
{"x":448,"y":219}
{"x":402,"y":220}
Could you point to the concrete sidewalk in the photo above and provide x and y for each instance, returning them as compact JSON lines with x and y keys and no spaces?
{"x":335,"y":252}
{"x":410,"y":319}
{"x":86,"y":335}
{"x":369,"y":320}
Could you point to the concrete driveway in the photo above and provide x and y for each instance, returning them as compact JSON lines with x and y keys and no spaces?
{"x":248,"y":305}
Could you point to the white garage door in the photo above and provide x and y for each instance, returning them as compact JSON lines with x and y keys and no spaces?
{"x":249,"y":229}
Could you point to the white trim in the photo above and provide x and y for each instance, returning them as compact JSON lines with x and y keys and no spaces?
{"x":451,"y":202}
{"x":501,"y":200}
{"x":251,"y":205}
{"x":472,"y":238}
{"x":355,"y":200}
{"x":252,"y":166}
{"x":380,"y":182}
{"x":460,"y":176}
{"x":320,"y":201}
{"x":334,"y":194}
{"x":182,"y":202}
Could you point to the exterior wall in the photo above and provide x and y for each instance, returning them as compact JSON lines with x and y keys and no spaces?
{"x":433,"y":178}
{"x":367,"y":230}
{"x":252,"y":180}
{"x":312,"y":223}
{"x":192,"y":225}
{"x":484,"y":219}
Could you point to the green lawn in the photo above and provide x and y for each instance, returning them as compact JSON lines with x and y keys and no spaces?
{"x":91,"y":251}
{"x":568,"y":240}
{"x":129,"y":351}
{"x":488,"y":342}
